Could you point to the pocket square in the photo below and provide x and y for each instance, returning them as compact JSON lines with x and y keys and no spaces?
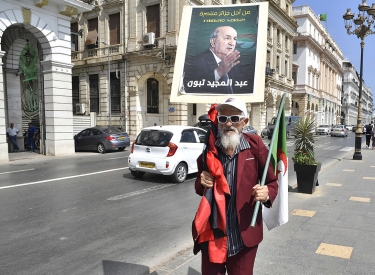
{"x":249,"y":158}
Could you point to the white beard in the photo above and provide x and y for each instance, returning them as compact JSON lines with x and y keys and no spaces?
{"x":230,"y":140}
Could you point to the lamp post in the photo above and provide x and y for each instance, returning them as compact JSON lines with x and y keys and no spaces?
{"x":363,"y":22}
{"x":109,"y":87}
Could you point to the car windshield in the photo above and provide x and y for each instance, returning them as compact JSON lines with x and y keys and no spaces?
{"x":337,"y":126}
{"x":111,"y":130}
{"x":323,"y":126}
{"x":154,"y":138}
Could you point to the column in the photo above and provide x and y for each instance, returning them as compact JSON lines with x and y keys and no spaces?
{"x":58,"y":108}
{"x":3,"y":142}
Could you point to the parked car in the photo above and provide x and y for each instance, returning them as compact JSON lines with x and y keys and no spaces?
{"x":289,"y":121}
{"x":203,"y":122}
{"x":339,"y":131}
{"x":349,"y":127}
{"x":323,"y":129}
{"x":101,"y":139}
{"x":168,"y":150}
{"x":250,"y":130}
{"x":264,"y":132}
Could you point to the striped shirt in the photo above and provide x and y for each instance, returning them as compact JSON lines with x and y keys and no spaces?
{"x":235,"y":243}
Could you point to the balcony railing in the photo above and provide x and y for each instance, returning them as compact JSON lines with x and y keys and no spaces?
{"x":97,"y":52}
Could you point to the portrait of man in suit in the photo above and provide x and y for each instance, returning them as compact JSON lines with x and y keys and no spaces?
{"x":218,"y":70}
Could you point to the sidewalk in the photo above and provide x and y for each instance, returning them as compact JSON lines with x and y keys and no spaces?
{"x":329,"y":232}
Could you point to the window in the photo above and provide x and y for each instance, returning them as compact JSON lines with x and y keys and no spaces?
{"x":194,"y":109}
{"x":269,"y":29}
{"x":94,"y":93}
{"x":115,"y":93}
{"x":114,"y":29}
{"x":92,"y":35}
{"x":268,"y":63}
{"x":152,"y":96}
{"x":294,"y":48}
{"x":277,"y":64}
{"x":188,"y":137}
{"x":74,"y":37}
{"x":286,"y":68}
{"x":153,"y":19}
{"x":278,"y":36}
{"x":294,"y":76}
{"x":75,"y":92}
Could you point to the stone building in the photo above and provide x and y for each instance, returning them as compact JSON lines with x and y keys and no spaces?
{"x":137,"y":40}
{"x":317,"y":69}
{"x":35,"y":79}
{"x":350,"y":97}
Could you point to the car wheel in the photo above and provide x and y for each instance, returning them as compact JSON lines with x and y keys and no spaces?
{"x":121,"y":148}
{"x":137,"y":174}
{"x":101,"y":149}
{"x":180,"y":173}
{"x":262,"y":135}
{"x":331,"y":135}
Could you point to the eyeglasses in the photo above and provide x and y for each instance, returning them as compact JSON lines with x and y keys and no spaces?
{"x":233,"y":119}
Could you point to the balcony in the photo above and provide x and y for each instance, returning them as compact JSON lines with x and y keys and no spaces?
{"x":97,"y":53}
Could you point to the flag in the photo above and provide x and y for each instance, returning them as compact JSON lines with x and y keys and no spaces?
{"x":323,"y":17}
{"x":278,"y":213}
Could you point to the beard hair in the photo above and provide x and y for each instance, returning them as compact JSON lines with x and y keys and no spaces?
{"x":229,"y":140}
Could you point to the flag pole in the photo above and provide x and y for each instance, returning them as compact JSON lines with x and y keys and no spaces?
{"x":274,"y":137}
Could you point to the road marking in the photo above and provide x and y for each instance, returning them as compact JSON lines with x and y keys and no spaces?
{"x":304,"y":213}
{"x":16,"y":171}
{"x":347,"y":149}
{"x":63,"y":178}
{"x":116,"y":158}
{"x":333,"y":184}
{"x":348,"y":170}
{"x":332,"y":147}
{"x":368,"y":178}
{"x":135,"y":193}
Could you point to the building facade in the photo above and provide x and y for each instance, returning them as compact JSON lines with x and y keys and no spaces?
{"x":35,"y":80}
{"x":317,"y":69}
{"x":350,"y":97}
{"x":137,"y":41}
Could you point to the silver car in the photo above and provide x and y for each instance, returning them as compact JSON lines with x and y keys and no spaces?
{"x":323,"y":129}
{"x":339,"y":131}
{"x":250,"y":130}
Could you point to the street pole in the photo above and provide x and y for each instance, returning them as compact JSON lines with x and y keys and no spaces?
{"x":364,"y":22}
{"x":109,"y":88}
{"x":358,"y":132}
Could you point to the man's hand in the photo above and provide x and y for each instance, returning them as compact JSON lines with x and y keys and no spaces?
{"x":228,"y":63}
{"x":260,"y":193}
{"x":207,"y":180}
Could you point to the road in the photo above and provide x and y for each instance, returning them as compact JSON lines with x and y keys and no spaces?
{"x":86,"y":214}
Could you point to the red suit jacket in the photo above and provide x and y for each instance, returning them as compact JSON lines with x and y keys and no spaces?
{"x":250,"y":166}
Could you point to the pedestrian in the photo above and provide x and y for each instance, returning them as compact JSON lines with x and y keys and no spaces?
{"x":31,"y":134}
{"x":12,"y":133}
{"x":373,"y":137}
{"x":368,"y":135}
{"x":230,"y":176}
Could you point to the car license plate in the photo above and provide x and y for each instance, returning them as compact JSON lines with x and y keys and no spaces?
{"x":121,"y":137}
{"x":147,"y":164}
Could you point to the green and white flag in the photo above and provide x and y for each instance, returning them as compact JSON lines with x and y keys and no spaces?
{"x":278,"y":214}
{"x":323,"y":17}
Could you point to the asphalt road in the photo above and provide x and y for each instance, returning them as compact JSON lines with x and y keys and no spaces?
{"x":86,"y":214}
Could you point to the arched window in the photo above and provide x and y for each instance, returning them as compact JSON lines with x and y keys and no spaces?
{"x":152,"y":96}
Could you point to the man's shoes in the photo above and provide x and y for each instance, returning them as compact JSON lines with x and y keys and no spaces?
{"x":366,"y":146}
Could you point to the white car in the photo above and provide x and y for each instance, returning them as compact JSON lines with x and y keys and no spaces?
{"x":323,"y":129}
{"x":167,"y":150}
{"x":349,"y":127}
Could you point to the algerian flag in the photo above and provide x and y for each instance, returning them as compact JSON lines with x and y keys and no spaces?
{"x":323,"y":17}
{"x":278,"y":213}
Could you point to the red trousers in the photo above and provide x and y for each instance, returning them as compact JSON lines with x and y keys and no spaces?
{"x":240,"y":264}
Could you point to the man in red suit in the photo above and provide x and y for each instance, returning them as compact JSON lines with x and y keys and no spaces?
{"x":243,"y":159}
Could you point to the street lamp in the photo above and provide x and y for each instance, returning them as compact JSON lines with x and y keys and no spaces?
{"x":363,"y":22}
{"x":109,"y":87}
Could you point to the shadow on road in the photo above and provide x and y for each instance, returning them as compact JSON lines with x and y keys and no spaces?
{"x":119,"y":268}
